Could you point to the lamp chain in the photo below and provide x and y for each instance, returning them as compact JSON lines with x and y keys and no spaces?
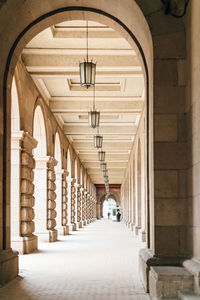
{"x":94,"y":97}
{"x":87,"y":38}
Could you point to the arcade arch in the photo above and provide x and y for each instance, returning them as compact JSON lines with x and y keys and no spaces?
{"x":128,"y":21}
{"x":58,"y":182}
{"x":40,"y":175}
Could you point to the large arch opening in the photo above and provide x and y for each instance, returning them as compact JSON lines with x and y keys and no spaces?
{"x":91,"y":15}
{"x":109,"y":209}
{"x":15,"y":189}
{"x":40,"y":175}
{"x":58,"y":182}
{"x":69,"y":178}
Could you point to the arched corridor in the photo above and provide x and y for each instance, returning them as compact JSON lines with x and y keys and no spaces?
{"x":97,"y":262}
{"x":100,"y":100}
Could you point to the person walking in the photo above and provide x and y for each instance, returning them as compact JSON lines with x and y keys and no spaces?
{"x":118,"y":215}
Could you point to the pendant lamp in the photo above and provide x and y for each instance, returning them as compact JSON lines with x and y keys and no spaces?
{"x":98,"y":140}
{"x":101,"y":155}
{"x":87,"y":68}
{"x":93,"y":115}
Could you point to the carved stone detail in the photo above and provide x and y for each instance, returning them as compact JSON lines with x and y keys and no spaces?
{"x":78,"y":199}
{"x":51,"y":196}
{"x":65,"y":202}
{"x":73,"y":200}
{"x":27,"y":186}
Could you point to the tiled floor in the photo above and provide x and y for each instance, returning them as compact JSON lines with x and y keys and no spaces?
{"x":98,"y":262}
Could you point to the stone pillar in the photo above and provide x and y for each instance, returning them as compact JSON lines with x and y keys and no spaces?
{"x":81,"y":206}
{"x":78,"y":199}
{"x":73,"y":204}
{"x":101,"y":210}
{"x":27,"y":191}
{"x":98,"y":209}
{"x":51,"y":196}
{"x":84,"y":207}
{"x":88,"y":208}
{"x":64,"y":203}
{"x":22,"y":200}
{"x":58,"y":182}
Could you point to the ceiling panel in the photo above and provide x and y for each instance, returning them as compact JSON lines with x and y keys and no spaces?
{"x":52,"y":58}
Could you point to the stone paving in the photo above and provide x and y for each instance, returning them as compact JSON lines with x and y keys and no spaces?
{"x":97,"y":262}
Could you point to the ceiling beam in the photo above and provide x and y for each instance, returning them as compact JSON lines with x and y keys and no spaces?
{"x":60,"y":106}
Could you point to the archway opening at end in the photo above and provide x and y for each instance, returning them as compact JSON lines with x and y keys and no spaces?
{"x":110,"y":209}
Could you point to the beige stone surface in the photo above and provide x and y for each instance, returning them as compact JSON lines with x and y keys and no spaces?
{"x":91,"y":263}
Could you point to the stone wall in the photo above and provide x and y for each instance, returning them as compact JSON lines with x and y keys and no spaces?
{"x":192,"y":134}
{"x":134,"y":186}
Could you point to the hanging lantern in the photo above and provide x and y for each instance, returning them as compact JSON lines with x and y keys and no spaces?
{"x":93,"y":118}
{"x":87,"y":68}
{"x":87,"y":74}
{"x":101,"y":155}
{"x":94,"y":115}
{"x":105,"y":178}
{"x":105,"y":172}
{"x":103,"y":167}
{"x":98,"y":141}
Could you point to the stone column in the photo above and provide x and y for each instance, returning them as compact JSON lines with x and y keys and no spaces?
{"x":84,"y":206}
{"x":58,"y":182}
{"x":22,"y":212}
{"x":98,"y":209}
{"x":64,"y":203}
{"x":73,"y":204}
{"x":101,"y":210}
{"x":88,"y":208}
{"x":78,"y":199}
{"x":51,"y":196}
{"x":27,"y":191}
{"x":81,"y":205}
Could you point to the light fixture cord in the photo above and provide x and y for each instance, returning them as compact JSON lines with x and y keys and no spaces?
{"x":94,"y":97}
{"x":87,"y":38}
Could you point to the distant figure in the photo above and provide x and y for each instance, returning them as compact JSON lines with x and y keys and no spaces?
{"x":109,"y":215}
{"x":118,"y":215}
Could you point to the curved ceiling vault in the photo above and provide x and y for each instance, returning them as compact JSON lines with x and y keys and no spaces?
{"x":52,"y":58}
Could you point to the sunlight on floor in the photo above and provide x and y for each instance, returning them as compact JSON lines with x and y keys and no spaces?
{"x":98,"y":262}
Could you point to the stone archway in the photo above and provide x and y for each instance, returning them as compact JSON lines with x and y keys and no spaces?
{"x":58,"y":182}
{"x":40,"y":175}
{"x":127,"y":18}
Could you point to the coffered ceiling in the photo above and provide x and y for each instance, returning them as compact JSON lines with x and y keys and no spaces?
{"x":52,"y":58}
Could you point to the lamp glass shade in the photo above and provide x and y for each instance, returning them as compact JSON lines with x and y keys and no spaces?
{"x":98,"y":141}
{"x":87,"y":74}
{"x":93,"y":118}
{"x":103,"y":167}
{"x":105,"y":172}
{"x":101,"y":155}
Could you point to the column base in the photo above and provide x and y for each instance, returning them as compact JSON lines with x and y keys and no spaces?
{"x":165,"y":282}
{"x":193,"y":266}
{"x":142,"y":235}
{"x":84,"y":223}
{"x":73,"y":227}
{"x":188,"y":296}
{"x":132,"y":226}
{"x":53,"y":235}
{"x":25,"y":245}
{"x":63,"y":230}
{"x":47,"y":236}
{"x":148,"y":260}
{"x":88,"y":221}
{"x":136,"y":229}
{"x":80,"y":224}
{"x":8,"y":266}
